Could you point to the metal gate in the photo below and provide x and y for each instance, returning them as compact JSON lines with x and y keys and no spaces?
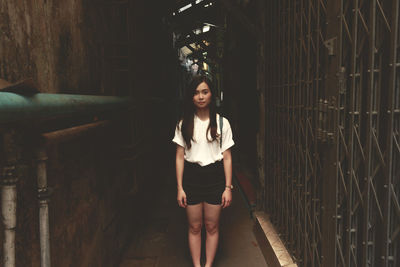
{"x":333,"y":130}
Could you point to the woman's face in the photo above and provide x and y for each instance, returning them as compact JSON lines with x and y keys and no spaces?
{"x":202,"y":96}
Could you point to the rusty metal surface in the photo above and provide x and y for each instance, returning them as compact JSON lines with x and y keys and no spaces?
{"x":333,"y":116}
{"x":15,"y":108}
{"x":73,"y":132}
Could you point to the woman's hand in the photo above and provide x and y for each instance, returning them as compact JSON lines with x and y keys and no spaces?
{"x":181,"y":198}
{"x":226,"y":198}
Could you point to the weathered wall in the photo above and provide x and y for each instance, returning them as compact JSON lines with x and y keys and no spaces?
{"x":65,"y":47}
{"x":100,"y":184}
{"x":91,"y":207}
{"x":88,"y":208}
{"x":54,"y":42}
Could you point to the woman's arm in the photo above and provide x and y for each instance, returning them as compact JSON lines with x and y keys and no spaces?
{"x":181,"y":196}
{"x":227,"y":195}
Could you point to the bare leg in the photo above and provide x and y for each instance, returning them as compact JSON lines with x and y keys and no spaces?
{"x":195,"y":218}
{"x":211,"y":220}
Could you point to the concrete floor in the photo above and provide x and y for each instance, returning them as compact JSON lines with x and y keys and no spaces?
{"x":162,"y":239}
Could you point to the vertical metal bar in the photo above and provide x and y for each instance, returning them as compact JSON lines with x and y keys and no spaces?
{"x":9,"y":181}
{"x":316,"y":181}
{"x":344,"y":179}
{"x":389,"y":247}
{"x":293,"y":152}
{"x":302,"y":136}
{"x":269,"y":110}
{"x":9,"y":215}
{"x":300,"y":149}
{"x":342,"y":190}
{"x":293,"y":125}
{"x":308,"y":140}
{"x":328,"y":161}
{"x":43,"y":196}
{"x":367,"y":231}
{"x":287,"y":109}
{"x":280,"y":133}
{"x":352,"y":236}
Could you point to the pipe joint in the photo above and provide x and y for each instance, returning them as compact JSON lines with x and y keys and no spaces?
{"x":41,"y":154}
{"x":42,"y":158}
{"x":45,"y":193}
{"x":9,"y":175}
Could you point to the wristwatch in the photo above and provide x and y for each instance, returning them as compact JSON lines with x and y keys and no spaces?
{"x":229,"y":186}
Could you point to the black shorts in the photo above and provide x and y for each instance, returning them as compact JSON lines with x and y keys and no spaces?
{"x":205,"y":183}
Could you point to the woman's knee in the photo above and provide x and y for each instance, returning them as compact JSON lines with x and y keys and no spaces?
{"x":195,"y":228}
{"x":211,"y":228}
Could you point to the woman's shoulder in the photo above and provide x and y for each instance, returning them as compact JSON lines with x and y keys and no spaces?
{"x":225,"y":121}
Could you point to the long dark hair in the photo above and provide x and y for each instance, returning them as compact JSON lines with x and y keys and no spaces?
{"x":189,"y":110}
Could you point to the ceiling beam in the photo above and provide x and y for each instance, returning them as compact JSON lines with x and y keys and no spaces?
{"x":193,"y":38}
{"x":190,"y":48}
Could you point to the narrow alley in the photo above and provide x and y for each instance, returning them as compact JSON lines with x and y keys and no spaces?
{"x":91,"y":93}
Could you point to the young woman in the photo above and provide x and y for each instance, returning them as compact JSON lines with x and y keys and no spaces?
{"x":203,"y":167}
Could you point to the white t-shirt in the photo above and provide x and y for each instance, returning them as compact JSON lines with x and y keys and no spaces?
{"x":204,"y":152}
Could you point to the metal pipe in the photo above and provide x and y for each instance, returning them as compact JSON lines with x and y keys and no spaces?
{"x":15,"y":108}
{"x":9,"y":180}
{"x":9,"y":214}
{"x":43,"y":196}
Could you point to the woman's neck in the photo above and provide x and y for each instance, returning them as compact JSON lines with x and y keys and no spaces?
{"x":203,"y":113}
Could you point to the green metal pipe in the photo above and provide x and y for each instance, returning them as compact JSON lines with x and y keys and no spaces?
{"x":15,"y":108}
